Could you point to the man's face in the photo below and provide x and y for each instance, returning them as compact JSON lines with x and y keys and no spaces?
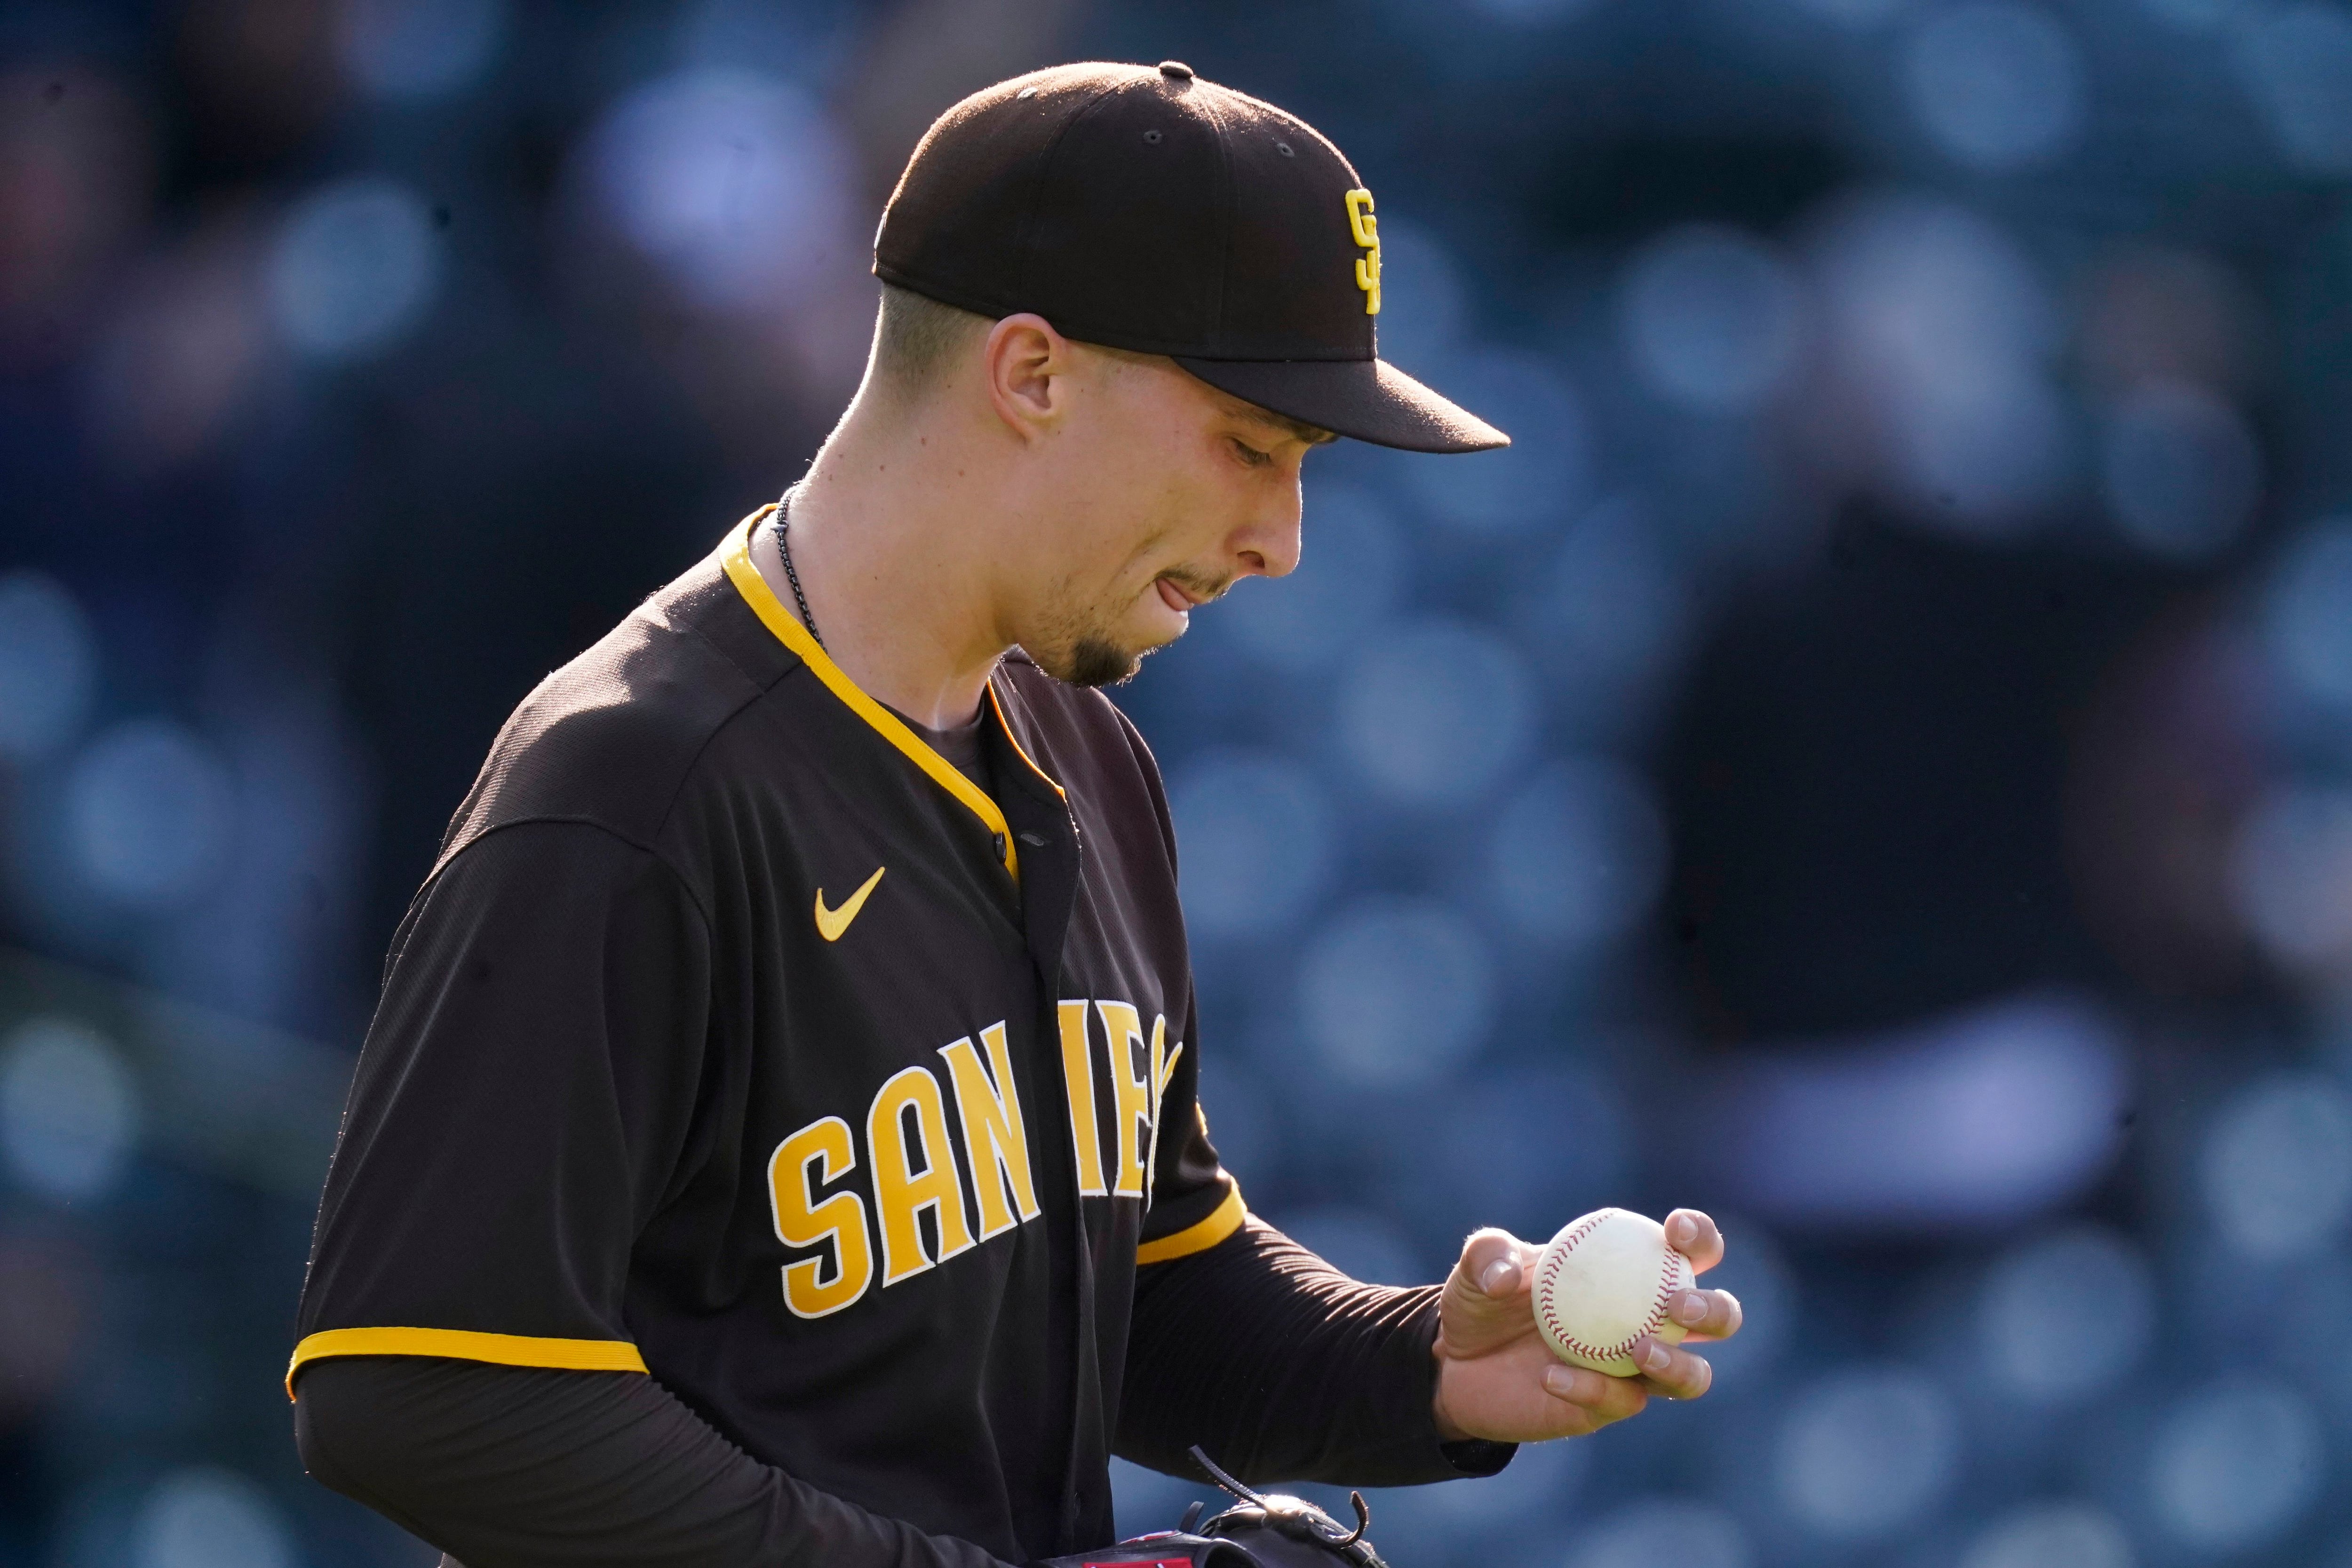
{"x":1156,"y":496}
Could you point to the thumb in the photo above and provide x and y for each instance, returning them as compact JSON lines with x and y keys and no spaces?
{"x":1492,"y":1265}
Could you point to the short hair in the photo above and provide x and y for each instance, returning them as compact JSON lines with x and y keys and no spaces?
{"x":915,"y":337}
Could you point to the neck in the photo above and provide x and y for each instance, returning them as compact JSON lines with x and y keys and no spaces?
{"x":886,"y":537}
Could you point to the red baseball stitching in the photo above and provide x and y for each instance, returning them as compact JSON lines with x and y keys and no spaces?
{"x":1547,"y":1274}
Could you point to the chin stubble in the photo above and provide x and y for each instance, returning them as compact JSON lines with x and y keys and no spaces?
{"x":1097,"y":661}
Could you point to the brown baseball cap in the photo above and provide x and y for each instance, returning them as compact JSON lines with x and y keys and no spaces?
{"x":1142,"y":208}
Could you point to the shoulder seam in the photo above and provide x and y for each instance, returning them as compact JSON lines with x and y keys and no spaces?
{"x":710,"y":926}
{"x":671,"y":807}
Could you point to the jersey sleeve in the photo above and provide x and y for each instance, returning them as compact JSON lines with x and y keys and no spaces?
{"x":1195,"y":1202}
{"x":518,"y":1110}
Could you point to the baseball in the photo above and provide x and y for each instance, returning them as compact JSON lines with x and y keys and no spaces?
{"x":1604,"y":1281}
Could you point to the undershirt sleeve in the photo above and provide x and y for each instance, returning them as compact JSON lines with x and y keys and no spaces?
{"x":504,"y":1466}
{"x":1284,"y":1369}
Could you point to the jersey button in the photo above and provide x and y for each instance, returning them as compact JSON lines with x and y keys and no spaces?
{"x":998,"y":840}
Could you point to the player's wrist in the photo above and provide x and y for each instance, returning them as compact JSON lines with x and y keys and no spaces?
{"x":1448,"y":1429}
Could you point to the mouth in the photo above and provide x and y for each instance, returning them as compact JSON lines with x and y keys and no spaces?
{"x":1179,"y":598}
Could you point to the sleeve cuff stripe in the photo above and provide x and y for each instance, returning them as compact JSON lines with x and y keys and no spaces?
{"x":463,"y":1344}
{"x":1226,"y":1219}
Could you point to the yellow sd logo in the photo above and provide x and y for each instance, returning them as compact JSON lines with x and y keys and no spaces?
{"x":1366,"y":230}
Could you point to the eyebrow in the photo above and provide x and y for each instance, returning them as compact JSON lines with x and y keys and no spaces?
{"x":1313,"y":435}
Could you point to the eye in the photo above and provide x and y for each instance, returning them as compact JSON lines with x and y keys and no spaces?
{"x":1249,"y":454}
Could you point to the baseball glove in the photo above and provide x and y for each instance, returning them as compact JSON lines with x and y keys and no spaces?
{"x":1258,"y":1530}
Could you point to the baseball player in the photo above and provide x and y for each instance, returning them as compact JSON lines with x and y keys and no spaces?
{"x":777,"y":1141}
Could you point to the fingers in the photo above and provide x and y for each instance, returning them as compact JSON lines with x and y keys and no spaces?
{"x":1708,"y":1314}
{"x":1694,"y":1235}
{"x":1496,"y":1263}
{"x":1605,"y":1398}
{"x":1675,"y":1373}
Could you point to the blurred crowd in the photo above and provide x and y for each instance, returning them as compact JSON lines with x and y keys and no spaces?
{"x":1873,"y":758}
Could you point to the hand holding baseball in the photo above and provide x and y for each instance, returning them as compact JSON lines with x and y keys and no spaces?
{"x":1497,"y":1379}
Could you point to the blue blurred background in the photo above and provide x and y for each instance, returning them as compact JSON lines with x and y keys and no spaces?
{"x":1873,"y":760}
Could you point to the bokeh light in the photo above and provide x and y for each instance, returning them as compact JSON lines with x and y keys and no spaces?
{"x":2235,"y":1464}
{"x":149,"y":813}
{"x":2036,"y":1299}
{"x":1435,"y":711}
{"x":70,"y":1108}
{"x":1254,"y":834}
{"x":1652,"y":1531}
{"x":1712,"y":318}
{"x":1532,"y":1146}
{"x":1757,"y":1271}
{"x":2296,"y":63}
{"x":1425,"y":308}
{"x":208,"y":1517}
{"x":1577,"y":854}
{"x":2276,"y":1173}
{"x":1865,"y":1452}
{"x":1607,"y":616}
{"x":1528,"y":12}
{"x":419,"y":49}
{"x":1542,"y":1481}
{"x":2179,"y":470}
{"x":733,"y":182}
{"x":2199,"y":15}
{"x":2307,"y":612}
{"x":356,"y":266}
{"x":1998,"y":84}
{"x":1396,"y":992}
{"x":1351,"y":571}
{"x":1357,"y":1242}
{"x":1942,"y":332}
{"x":49,"y":666}
{"x":1533,"y":482}
{"x":2052,"y":1535}
{"x":1993,"y":1114}
{"x":2292,"y":876}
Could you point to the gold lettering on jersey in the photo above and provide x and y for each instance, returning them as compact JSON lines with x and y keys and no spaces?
{"x":902,"y":1190}
{"x":1366,"y":229}
{"x":1078,"y":1086}
{"x":1131,"y":1089}
{"x":838,"y":1222}
{"x":1163,"y":1067}
{"x":995,"y":1143}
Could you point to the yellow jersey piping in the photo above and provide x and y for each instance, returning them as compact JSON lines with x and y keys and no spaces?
{"x":463,"y":1344}
{"x":1199,"y":1238}
{"x":736,"y":556}
{"x":1014,"y":741}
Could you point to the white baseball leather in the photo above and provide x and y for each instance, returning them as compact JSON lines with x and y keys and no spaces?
{"x":1603,"y":1283}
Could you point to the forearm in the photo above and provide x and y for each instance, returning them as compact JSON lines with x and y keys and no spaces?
{"x":1282,"y":1368}
{"x":519,"y":1467}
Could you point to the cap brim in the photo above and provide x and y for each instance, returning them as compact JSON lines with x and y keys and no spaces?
{"x":1366,"y":398}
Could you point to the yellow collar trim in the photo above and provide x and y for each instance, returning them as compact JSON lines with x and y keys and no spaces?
{"x":736,"y":556}
{"x":1018,"y":749}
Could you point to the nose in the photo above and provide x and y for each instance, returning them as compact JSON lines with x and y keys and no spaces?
{"x":1267,"y":545}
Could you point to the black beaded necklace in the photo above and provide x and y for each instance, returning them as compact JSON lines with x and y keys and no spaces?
{"x":784,"y":548}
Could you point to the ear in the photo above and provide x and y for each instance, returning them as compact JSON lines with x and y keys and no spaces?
{"x":1028,"y":366}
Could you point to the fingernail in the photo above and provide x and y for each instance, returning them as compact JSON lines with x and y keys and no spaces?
{"x":1496,"y":1272}
{"x":1657,"y":1358}
{"x":1685,"y":1230}
{"x":1692,"y":1307}
{"x":1560,"y":1381}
